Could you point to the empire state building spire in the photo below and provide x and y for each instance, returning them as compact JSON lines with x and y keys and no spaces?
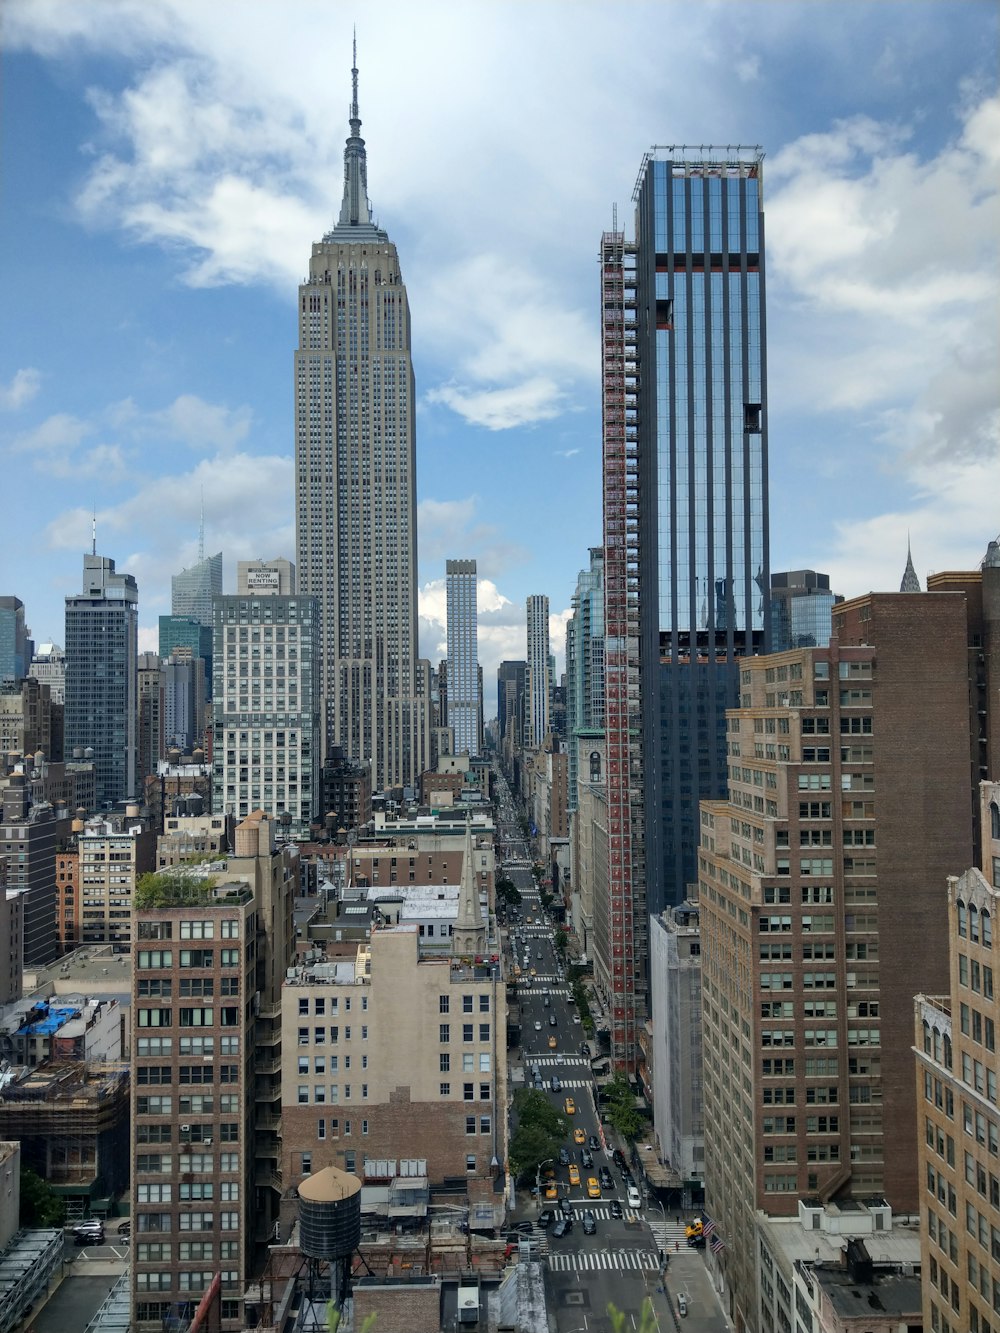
{"x":355,"y":211}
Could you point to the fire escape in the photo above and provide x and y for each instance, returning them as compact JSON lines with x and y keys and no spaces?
{"x":626,"y":872}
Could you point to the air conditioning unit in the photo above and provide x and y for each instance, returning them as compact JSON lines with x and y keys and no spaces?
{"x":185,"y":1129}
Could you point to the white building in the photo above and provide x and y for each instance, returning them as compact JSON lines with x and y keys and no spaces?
{"x":675,"y":981}
{"x":537,"y":685}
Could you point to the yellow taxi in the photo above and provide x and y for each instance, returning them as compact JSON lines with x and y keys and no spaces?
{"x":570,"y":1106}
{"x":574,"y":1174}
{"x":552,"y":1190}
{"x":593,"y":1188}
{"x":532,"y":972}
{"x":579,"y":1136}
{"x":552,"y":1043}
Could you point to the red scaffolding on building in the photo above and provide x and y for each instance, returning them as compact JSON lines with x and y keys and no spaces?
{"x":626,"y":875}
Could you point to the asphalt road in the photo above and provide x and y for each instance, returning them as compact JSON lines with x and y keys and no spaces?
{"x":620,"y":1263}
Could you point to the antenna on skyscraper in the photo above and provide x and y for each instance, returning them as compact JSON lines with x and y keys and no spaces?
{"x":201,"y":529}
{"x":93,"y":539}
{"x":354,"y":77}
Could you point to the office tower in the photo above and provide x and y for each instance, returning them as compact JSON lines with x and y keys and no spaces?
{"x":193,"y":590}
{"x":29,"y":833}
{"x":585,"y":662}
{"x":910,"y":582}
{"x":15,"y":643}
{"x":537,"y":676}
{"x":702,"y":480}
{"x":822,"y":913}
{"x":102,"y":626}
{"x":209,"y":958}
{"x":957,"y":1103}
{"x":25,"y":719}
{"x":184,"y":699}
{"x":675,"y":989}
{"x":192,"y":637}
{"x":266,"y":708}
{"x":150,"y":735}
{"x":463,"y":655}
{"x":49,"y":665}
{"x":355,"y":487}
{"x":510,"y":698}
{"x":801,"y":609}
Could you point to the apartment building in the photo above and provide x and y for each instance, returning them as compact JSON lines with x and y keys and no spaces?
{"x":112,"y":853}
{"x":820,"y":915}
{"x":959,"y":1117}
{"x":394,"y":1055}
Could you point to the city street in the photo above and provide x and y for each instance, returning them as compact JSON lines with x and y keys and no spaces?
{"x":620,"y":1262}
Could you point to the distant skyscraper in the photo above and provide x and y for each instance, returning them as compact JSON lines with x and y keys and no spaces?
{"x":511,"y":699}
{"x":15,"y":645}
{"x":266,"y":701}
{"x":585,"y":661}
{"x":192,"y":590}
{"x":463,"y":655}
{"x":49,"y":666}
{"x":102,"y":629}
{"x":538,"y":669}
{"x":355,"y":486}
{"x":910,"y":582}
{"x":801,"y":609}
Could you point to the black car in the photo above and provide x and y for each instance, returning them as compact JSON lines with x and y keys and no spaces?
{"x":589,"y":1223}
{"x":586,"y":1158}
{"x":563,"y":1157}
{"x":627,"y":1177}
{"x":565,"y":1207}
{"x":618,"y":1157}
{"x":562,"y":1228}
{"x":88,"y":1235}
{"x":606,"y":1179}
{"x":616,"y":1208}
{"x":545,"y":1218}
{"x":585,"y":1048}
{"x":594,"y":1143}
{"x":526,"y":1228}
{"x":555,"y":1084}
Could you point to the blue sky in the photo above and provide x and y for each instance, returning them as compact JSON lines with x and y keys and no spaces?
{"x":166,"y":165}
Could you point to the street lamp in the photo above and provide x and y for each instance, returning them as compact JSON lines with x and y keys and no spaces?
{"x":538,"y":1178}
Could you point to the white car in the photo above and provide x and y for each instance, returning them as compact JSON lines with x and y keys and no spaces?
{"x":538,"y":1026}
{"x":634,"y":1198}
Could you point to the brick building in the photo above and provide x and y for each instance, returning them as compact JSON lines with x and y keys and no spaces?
{"x":849,"y":797}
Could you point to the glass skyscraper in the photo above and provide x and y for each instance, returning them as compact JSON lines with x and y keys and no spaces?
{"x":193,"y":590}
{"x":463,"y":655}
{"x":702,"y":481}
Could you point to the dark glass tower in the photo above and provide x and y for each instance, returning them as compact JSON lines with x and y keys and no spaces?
{"x":702,"y":471}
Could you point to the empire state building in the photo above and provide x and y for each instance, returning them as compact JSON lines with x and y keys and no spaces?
{"x":355,"y":486}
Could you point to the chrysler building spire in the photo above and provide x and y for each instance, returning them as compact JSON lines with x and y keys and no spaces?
{"x":355,"y":211}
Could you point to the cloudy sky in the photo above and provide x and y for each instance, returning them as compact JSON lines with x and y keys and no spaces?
{"x":166,"y":165}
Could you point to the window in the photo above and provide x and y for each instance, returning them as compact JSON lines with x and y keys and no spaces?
{"x":444,"y":1032}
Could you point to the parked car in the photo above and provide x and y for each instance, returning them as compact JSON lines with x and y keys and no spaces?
{"x":585,"y":1048}
{"x":634,"y":1198}
{"x":589,"y":1223}
{"x":618,"y":1157}
{"x":682,"y":1305}
{"x":606,"y":1178}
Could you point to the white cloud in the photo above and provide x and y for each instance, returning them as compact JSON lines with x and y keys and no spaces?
{"x":200,"y":424}
{"x":21,"y":389}
{"x":525,"y":404}
{"x":56,"y":434}
{"x":748,"y":69}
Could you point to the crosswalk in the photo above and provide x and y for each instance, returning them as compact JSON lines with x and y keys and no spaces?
{"x":666,"y":1234}
{"x":582,"y":1261}
{"x":553,"y":1060}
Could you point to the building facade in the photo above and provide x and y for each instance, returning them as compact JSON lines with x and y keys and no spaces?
{"x":15,"y":643}
{"x":266,"y":708}
{"x":820,"y":918}
{"x":464,"y":705}
{"x":49,"y":666}
{"x":702,"y":480}
{"x":102,"y":627}
{"x":193,"y":590}
{"x":801,"y":609}
{"x":537,"y":681}
{"x":585,"y":660}
{"x":675,"y":996}
{"x":959,"y":1116}
{"x":355,"y":487}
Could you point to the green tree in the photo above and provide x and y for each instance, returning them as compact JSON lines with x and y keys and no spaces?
{"x":41,"y":1206}
{"x":620,"y":1103}
{"x":530,"y":1145}
{"x":647,"y":1319}
{"x":534,"y":1108}
{"x":561,"y":941}
{"x":508,"y":892}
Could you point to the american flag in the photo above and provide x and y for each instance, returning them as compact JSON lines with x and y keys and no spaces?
{"x":717,"y":1244}
{"x":707,"y":1228}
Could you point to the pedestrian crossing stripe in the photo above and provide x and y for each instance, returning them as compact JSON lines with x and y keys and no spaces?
{"x":666,"y":1234}
{"x":591,"y":1260}
{"x":551,"y":1060}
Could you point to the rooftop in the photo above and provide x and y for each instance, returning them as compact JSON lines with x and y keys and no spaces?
{"x":888,"y":1295}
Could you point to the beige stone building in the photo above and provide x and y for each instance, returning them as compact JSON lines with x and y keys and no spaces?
{"x":112,"y":853}
{"x":959,"y":1116}
{"x":393,"y":1057}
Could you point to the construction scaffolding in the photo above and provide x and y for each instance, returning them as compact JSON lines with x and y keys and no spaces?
{"x":71,"y":1117}
{"x":626,"y":868}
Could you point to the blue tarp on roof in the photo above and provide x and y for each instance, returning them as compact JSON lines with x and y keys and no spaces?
{"x":54,"y":1019}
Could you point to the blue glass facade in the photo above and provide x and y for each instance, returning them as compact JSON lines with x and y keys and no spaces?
{"x":702,"y":442}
